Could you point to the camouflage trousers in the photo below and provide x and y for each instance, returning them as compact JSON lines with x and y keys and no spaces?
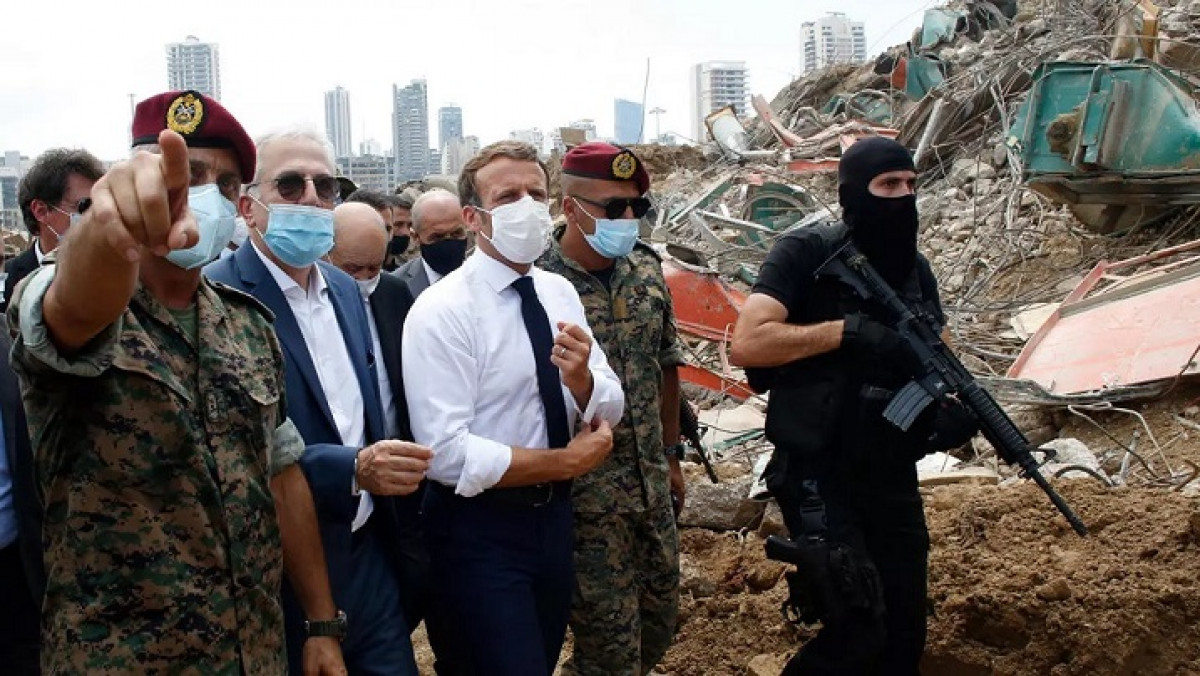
{"x":626,"y":592}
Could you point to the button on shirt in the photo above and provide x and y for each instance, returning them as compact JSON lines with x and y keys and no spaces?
{"x":326,"y":346}
{"x":470,"y":377}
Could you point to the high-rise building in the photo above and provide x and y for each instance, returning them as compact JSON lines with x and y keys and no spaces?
{"x":10,"y":211}
{"x":628,"y":126}
{"x":410,"y":130}
{"x":716,"y":84}
{"x":337,"y":121}
{"x":192,"y":64}
{"x":370,"y":147}
{"x":457,"y":153}
{"x":449,"y":125}
{"x":830,"y":40}
{"x":373,"y":172}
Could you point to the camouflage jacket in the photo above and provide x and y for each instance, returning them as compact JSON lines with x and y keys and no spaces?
{"x":635,"y":325}
{"x":153,"y":458}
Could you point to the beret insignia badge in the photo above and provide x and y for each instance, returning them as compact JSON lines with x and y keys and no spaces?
{"x":185,"y":114}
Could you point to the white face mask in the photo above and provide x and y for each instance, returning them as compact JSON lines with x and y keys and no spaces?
{"x":366,"y":287}
{"x":520,"y":229}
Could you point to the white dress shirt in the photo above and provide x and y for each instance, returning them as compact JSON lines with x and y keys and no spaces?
{"x":470,"y":378}
{"x":432,"y":274}
{"x":37,"y":251}
{"x":385,"y":386}
{"x":331,"y":358}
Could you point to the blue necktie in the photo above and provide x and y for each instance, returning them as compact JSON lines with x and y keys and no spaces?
{"x":537,"y":325}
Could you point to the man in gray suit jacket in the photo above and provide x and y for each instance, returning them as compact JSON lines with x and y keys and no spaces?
{"x":437,"y":221}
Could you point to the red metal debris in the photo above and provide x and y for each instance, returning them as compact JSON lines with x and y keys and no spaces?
{"x":706,"y":307}
{"x":1116,"y":331}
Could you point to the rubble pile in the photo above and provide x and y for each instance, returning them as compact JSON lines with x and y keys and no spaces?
{"x":1012,"y":589}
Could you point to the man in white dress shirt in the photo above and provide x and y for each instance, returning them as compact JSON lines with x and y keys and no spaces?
{"x":506,"y":386}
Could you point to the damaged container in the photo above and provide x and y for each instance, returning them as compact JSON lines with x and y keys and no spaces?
{"x":1119,"y":142}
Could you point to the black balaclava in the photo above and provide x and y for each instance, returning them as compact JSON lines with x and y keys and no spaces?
{"x":883,"y":228}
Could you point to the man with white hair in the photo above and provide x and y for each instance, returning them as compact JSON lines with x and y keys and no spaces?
{"x":332,"y":396}
{"x":437,"y":222}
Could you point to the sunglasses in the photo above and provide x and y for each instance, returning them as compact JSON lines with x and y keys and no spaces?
{"x":615,"y":208}
{"x":291,"y":185}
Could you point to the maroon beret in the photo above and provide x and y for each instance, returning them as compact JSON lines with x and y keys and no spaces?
{"x":200,"y":120}
{"x":605,"y":161}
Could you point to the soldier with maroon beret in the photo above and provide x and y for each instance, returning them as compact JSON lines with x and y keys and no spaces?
{"x":161,"y":441}
{"x":626,"y":546}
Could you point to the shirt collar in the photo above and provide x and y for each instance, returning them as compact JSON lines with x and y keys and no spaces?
{"x":37,"y":250}
{"x":495,"y":274}
{"x":316,"y":281}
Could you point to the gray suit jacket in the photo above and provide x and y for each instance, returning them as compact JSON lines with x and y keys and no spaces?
{"x":413,"y":274}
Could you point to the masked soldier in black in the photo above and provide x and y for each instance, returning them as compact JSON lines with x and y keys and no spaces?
{"x":844,"y":477}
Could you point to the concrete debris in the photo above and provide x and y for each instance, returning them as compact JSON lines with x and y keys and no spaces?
{"x":1006,"y":254}
{"x":722,"y":506}
{"x":1070,"y":452}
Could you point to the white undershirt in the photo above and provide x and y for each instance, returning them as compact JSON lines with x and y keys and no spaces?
{"x":331,"y":358}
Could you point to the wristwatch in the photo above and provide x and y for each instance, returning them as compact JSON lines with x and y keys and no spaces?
{"x":335,"y":627}
{"x":678,"y":450}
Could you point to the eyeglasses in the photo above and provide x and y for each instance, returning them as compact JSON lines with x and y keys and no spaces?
{"x":291,"y":185}
{"x":615,"y":208}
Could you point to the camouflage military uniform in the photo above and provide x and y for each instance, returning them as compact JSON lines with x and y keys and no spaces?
{"x":153,"y":457}
{"x":626,"y":547}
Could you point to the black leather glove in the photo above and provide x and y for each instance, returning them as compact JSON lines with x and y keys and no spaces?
{"x":865,"y":336}
{"x":953,"y":426}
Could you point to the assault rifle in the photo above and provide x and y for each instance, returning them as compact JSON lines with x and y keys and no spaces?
{"x":944,"y":374}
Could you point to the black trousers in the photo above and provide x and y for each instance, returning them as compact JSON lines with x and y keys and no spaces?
{"x":20,"y":619}
{"x":501,"y":581}
{"x":877,"y":510}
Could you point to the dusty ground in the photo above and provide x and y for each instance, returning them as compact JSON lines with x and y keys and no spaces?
{"x":1013,"y":590}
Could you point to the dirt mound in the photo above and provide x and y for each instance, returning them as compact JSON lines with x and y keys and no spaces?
{"x":1015,"y":591}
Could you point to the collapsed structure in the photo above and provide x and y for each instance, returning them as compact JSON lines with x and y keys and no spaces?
{"x":1057,"y":143}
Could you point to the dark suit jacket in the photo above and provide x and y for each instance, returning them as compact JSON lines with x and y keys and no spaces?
{"x":327,"y":464}
{"x":18,"y":268}
{"x":414,"y":276}
{"x":389,"y":305}
{"x":20,"y":465}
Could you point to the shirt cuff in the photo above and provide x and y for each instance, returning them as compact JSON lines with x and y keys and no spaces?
{"x":485,"y":463}
{"x":89,"y":362}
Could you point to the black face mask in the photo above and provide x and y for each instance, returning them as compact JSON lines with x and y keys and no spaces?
{"x":885,"y":230}
{"x":445,"y":256}
{"x":398,"y":245}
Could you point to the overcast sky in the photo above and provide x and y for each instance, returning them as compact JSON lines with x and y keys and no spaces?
{"x":68,"y":66}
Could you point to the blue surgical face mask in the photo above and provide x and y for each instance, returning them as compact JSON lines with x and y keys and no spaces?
{"x":215,"y":216}
{"x":298,"y":234}
{"x":613,"y":238}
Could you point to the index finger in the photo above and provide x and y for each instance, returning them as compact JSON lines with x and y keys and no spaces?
{"x":177,"y":176}
{"x":575,"y":331}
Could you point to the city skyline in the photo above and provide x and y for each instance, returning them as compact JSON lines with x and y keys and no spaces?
{"x":533,"y":79}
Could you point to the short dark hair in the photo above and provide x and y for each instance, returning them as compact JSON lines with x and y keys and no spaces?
{"x":513,"y":150}
{"x":400,"y":201}
{"x":372,"y":198}
{"x":47,"y":179}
